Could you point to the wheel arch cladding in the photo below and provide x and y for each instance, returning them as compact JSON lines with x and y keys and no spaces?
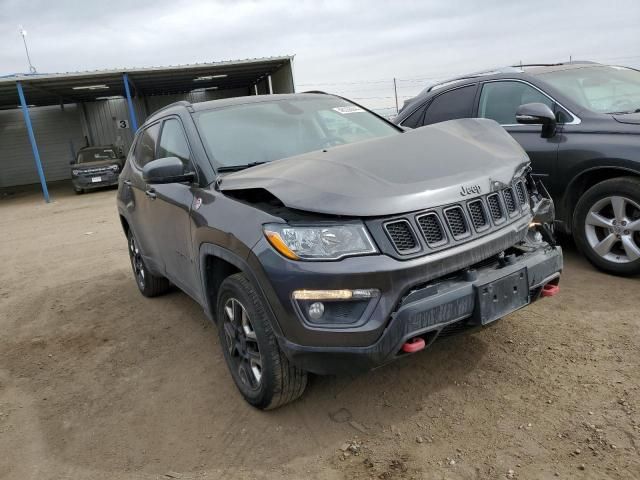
{"x":215,"y":271}
{"x":218,"y":263}
{"x":587,"y":179}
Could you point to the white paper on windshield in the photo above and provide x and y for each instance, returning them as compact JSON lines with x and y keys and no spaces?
{"x":346,"y":110}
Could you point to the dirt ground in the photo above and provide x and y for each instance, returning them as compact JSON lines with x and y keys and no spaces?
{"x":98,"y":382}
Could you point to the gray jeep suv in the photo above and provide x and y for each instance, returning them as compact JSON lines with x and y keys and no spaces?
{"x":321,"y":238}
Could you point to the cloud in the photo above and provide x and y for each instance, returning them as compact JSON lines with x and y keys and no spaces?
{"x":336,"y":43}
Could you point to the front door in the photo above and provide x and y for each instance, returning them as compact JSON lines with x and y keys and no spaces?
{"x":499,"y":101}
{"x":171,"y":210}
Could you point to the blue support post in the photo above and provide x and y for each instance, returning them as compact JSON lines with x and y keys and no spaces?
{"x":32,"y":140}
{"x":132,"y":112}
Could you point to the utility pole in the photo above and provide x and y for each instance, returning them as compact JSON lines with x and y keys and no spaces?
{"x":395,"y":92}
{"x":23,"y":33}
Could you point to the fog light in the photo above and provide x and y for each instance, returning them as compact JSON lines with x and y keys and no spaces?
{"x":316,"y":310}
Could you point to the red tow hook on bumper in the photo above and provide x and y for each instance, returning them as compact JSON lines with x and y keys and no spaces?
{"x":550,"y":290}
{"x":413,"y":345}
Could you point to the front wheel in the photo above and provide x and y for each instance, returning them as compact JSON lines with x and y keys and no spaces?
{"x":262,"y":373}
{"x":606,"y":225}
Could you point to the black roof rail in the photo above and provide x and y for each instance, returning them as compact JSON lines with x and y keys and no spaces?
{"x":470,"y":76}
{"x":179,"y":103}
{"x":319,"y":92}
{"x":573,"y":62}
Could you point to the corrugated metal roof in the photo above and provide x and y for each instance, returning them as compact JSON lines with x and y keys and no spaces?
{"x":50,"y":88}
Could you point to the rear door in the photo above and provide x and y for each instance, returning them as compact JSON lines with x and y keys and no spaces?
{"x":170,"y":209}
{"x":138,"y":199}
{"x":499,"y":100}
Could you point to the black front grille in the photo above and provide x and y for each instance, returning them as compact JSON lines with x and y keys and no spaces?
{"x":95,"y":171}
{"x":457,"y":223}
{"x":432,"y":229}
{"x":401,"y":235}
{"x":478,"y":214}
{"x":495,"y":207}
{"x":522,"y":193}
{"x":510,"y":200}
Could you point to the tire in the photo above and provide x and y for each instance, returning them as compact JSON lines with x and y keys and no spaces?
{"x":262,"y":373}
{"x":79,"y":191}
{"x":606,"y":225}
{"x":150,"y":285}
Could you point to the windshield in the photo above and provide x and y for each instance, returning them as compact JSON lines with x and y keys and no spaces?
{"x":602,"y":89}
{"x":96,"y":155}
{"x":261,"y":132}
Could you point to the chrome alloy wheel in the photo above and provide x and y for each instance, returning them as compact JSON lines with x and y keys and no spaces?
{"x":612,"y":228}
{"x":242,"y":344}
{"x":136,"y":262}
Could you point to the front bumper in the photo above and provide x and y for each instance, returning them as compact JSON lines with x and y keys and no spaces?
{"x":435,"y":309}
{"x":86,"y":182}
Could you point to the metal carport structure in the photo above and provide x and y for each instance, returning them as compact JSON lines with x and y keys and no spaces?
{"x":209,"y":80}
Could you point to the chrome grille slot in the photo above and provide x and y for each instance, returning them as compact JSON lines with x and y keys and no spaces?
{"x":510,"y":200}
{"x":457,"y":222}
{"x":401,"y":235}
{"x":521,"y":190}
{"x":432,"y":229}
{"x":478,"y":214}
{"x":495,"y":207}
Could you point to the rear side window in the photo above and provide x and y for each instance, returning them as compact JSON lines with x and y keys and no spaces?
{"x":146,"y":147}
{"x":415,"y":119}
{"x":500,"y":100}
{"x":456,"y":103}
{"x":173,"y":142}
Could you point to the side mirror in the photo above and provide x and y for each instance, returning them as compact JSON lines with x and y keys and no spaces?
{"x":538,"y":114}
{"x":166,"y":170}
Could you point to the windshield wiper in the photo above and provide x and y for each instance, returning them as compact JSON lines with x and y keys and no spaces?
{"x":637,"y":110}
{"x":235,"y":168}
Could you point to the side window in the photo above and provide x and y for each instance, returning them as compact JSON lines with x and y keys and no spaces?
{"x":456,"y":103}
{"x":500,"y":100}
{"x":173,"y":142}
{"x":415,"y":119}
{"x":146,"y":148}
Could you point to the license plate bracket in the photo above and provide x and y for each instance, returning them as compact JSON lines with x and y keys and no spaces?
{"x":502,"y":296}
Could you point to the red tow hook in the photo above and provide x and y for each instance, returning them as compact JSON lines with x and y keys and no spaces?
{"x":414,"y":345}
{"x":550,"y":290}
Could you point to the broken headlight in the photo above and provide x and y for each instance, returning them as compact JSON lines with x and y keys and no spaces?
{"x":322,"y":242}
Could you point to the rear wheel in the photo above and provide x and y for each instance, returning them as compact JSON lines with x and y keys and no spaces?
{"x":606,"y":225}
{"x":259,"y":369}
{"x":150,"y":285}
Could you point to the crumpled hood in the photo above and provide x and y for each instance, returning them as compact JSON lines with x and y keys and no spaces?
{"x":411,"y":171}
{"x":631,"y":118}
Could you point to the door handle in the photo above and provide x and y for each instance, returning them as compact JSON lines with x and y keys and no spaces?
{"x":151,"y":193}
{"x":127,"y":183}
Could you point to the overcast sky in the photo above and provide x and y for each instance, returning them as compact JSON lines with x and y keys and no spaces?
{"x":350,"y":47}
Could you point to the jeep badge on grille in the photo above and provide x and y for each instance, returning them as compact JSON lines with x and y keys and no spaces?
{"x":470,"y":190}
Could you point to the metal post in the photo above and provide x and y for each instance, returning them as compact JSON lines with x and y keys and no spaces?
{"x":395,"y":92}
{"x":255,"y":89}
{"x":270,"y":85}
{"x":132,"y":112}
{"x":32,"y":139}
